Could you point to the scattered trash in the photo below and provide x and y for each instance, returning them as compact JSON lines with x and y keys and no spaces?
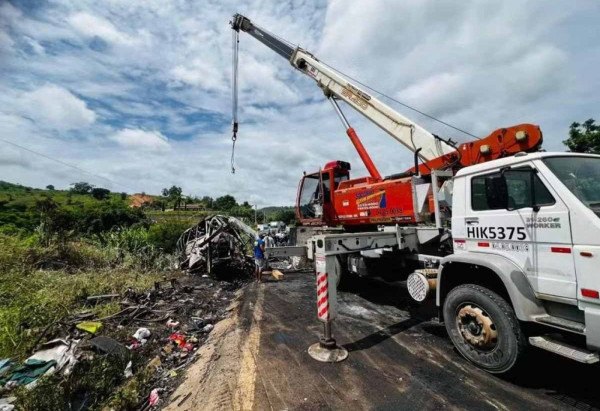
{"x":142,"y":334}
{"x":30,"y":371}
{"x":184,"y":399}
{"x":6,"y":404}
{"x":56,"y":355}
{"x":166,"y":325}
{"x":59,"y":350}
{"x":100,"y":298}
{"x":172,"y":324}
{"x":110,"y":346}
{"x":4,"y":366}
{"x":172,"y":282}
{"x":91,"y":327}
{"x":177,"y":338}
{"x":128,"y":373}
{"x":154,"y":398}
{"x":277,"y":274}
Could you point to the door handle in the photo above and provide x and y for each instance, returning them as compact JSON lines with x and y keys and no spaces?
{"x":472,"y":220}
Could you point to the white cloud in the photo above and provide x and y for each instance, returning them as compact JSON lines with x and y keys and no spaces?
{"x":91,"y":26}
{"x":6,"y":42}
{"x":141,"y":139}
{"x":153,"y":69}
{"x":55,"y":107}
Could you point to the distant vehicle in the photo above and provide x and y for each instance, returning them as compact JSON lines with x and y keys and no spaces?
{"x":262,"y":228}
{"x":276,"y":226}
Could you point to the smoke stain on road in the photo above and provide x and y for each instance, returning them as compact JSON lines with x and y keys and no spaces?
{"x":399,"y":359}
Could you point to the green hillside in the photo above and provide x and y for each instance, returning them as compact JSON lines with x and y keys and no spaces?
{"x":21,"y":207}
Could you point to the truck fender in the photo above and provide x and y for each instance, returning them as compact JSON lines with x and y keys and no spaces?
{"x":522,"y":296}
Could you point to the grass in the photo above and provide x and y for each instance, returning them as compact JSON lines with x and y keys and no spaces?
{"x":31,"y":302}
{"x":41,"y":284}
{"x":56,"y":249}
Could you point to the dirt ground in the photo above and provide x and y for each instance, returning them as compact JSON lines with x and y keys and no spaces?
{"x":399,"y":358}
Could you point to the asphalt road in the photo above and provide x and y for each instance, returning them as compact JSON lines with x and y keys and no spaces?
{"x":399,"y":357}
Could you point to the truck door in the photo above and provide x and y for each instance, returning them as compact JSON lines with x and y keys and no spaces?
{"x":309,"y":202}
{"x":516,"y":215}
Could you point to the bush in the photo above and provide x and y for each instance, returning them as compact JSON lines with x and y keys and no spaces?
{"x":164,"y":235}
{"x":106,"y":216}
{"x":100,"y":193}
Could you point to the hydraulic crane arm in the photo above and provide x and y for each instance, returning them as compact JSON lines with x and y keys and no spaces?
{"x":435,"y":152}
{"x":336,"y":86}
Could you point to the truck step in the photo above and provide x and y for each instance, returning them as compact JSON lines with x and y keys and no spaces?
{"x":566,"y":350}
{"x":565,"y":324}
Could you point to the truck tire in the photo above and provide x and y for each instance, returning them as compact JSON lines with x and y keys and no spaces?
{"x":483,"y":328}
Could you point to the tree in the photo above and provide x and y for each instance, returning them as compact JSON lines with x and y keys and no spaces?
{"x":173,"y":195}
{"x":242,"y":212}
{"x":45,"y":205}
{"x":100,"y":193}
{"x":208,"y":202}
{"x":288,"y":216}
{"x":50,"y":187}
{"x":123,"y":196}
{"x":584,"y":138}
{"x":81,"y":188}
{"x":225,"y":203}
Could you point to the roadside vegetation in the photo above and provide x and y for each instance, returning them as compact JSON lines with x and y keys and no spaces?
{"x":57,"y":247}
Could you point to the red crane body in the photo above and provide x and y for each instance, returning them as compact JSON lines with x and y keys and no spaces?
{"x":374,"y":200}
{"x":329,"y":197}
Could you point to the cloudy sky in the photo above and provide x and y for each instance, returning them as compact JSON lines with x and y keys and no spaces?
{"x":138,"y":92}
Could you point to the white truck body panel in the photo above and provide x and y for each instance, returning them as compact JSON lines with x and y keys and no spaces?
{"x":546,"y":244}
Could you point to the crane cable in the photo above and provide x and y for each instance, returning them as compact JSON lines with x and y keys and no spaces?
{"x":236,"y":43}
{"x":381,"y":94}
{"x":416,"y":110}
{"x":236,"y":47}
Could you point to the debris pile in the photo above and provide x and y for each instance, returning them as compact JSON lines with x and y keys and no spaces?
{"x":152,"y":336}
{"x":217,"y":245}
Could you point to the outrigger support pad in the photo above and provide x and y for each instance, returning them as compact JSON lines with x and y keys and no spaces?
{"x":327,"y":350}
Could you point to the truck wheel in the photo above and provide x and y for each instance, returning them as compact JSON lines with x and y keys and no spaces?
{"x":484,"y":328}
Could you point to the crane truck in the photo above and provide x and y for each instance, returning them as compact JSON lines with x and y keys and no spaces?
{"x":504,"y":236}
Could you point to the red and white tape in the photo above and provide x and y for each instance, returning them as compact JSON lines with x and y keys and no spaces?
{"x":322,"y":297}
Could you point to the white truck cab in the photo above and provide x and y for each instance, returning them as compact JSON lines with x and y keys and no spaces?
{"x":526,"y":238}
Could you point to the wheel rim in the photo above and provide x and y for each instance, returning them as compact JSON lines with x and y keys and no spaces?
{"x":477,"y":327}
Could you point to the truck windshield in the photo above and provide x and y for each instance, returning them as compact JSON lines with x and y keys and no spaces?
{"x":581,"y":175}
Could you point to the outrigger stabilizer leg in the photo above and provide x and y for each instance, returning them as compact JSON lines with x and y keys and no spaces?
{"x":326,"y":350}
